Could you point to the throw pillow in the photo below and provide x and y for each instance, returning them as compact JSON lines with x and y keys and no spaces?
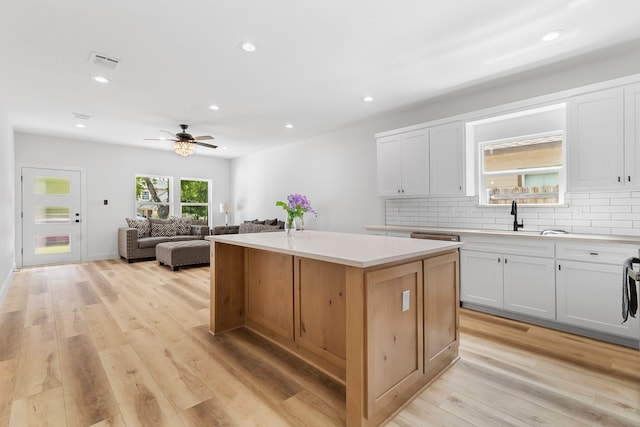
{"x":245,"y":227}
{"x":273,"y":221}
{"x":182,"y":224}
{"x":140,"y":224}
{"x":259,"y":228}
{"x":163,"y":230}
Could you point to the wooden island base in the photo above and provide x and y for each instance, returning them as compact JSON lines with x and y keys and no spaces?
{"x":385,"y":331}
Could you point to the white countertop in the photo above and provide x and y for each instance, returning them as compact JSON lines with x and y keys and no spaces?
{"x":356,"y":250}
{"x":603,"y":238}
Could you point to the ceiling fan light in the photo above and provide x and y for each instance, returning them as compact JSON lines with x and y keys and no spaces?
{"x":184,"y":148}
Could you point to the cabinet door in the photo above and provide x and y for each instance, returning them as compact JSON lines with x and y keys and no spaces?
{"x":441,"y":302}
{"x":446,"y":159}
{"x":481,"y":280}
{"x":595,"y":141}
{"x":320,"y":308}
{"x":415,"y":161}
{"x":389,"y":152}
{"x":632,"y":136}
{"x":269,"y":292}
{"x":589,"y":295}
{"x":394,"y":337}
{"x":529,"y":286}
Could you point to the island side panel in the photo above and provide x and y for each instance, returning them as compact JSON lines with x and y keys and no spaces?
{"x":227,"y":287}
{"x":355,"y":347}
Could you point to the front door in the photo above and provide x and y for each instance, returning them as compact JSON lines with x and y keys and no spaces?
{"x":51,"y":216}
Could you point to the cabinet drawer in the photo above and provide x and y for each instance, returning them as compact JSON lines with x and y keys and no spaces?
{"x":600,"y":253}
{"x":511,"y":246}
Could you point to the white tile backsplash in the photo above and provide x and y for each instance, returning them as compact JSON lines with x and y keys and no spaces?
{"x":616,"y":213}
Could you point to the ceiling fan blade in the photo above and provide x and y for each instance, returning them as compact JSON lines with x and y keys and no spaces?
{"x":202,"y":138}
{"x":205,"y":144}
{"x":160,"y":139}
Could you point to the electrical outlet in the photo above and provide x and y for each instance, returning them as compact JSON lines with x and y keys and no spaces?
{"x":405,"y":300}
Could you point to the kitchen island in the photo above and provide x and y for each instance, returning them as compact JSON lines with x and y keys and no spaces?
{"x":379,"y":314}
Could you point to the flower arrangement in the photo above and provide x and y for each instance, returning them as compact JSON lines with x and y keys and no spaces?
{"x":296,"y":206}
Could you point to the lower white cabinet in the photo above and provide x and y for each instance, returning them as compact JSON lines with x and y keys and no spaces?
{"x":481,"y":278}
{"x":589,"y":295}
{"x":529,"y":286}
{"x":521,"y":284}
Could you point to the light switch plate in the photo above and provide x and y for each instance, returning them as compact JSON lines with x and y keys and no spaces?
{"x":405,"y":300}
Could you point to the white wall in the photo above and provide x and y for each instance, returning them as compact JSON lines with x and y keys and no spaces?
{"x":334,"y":171}
{"x":7,"y":204}
{"x":337,"y":171}
{"x":110,"y":171}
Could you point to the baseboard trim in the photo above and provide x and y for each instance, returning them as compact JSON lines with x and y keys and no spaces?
{"x":7,"y":283}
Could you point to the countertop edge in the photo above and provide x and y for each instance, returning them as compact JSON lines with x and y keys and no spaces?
{"x":602,"y":238}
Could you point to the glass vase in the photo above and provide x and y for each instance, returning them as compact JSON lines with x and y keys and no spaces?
{"x":290,"y":227}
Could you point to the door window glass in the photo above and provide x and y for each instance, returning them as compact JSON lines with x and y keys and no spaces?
{"x":51,"y":185}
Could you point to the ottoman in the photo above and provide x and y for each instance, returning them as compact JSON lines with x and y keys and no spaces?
{"x":187,"y":252}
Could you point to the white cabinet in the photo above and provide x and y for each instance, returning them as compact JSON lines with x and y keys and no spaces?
{"x":589,"y":282}
{"x":632,"y":135}
{"x":446,"y":159}
{"x":512,"y":279}
{"x":402,"y":164}
{"x":422,"y":162}
{"x":602,"y":139}
{"x":481,"y":278}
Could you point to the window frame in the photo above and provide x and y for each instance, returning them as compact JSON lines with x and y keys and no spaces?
{"x":138,"y":203}
{"x":208,"y":204}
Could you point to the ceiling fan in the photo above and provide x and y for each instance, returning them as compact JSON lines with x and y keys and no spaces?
{"x":183,"y":142}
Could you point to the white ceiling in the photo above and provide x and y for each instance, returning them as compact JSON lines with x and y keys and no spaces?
{"x":314,"y":62}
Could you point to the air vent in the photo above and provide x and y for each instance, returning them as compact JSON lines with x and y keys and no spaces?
{"x":103,"y":61}
{"x":81,"y":116}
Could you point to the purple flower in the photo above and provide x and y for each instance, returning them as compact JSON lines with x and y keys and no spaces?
{"x":296,"y":206}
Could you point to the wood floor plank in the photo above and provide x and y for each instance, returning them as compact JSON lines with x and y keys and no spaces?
{"x":39,"y":309}
{"x":11,"y":325}
{"x":38,"y":367}
{"x":142,"y":402}
{"x":88,"y":395}
{"x":42,"y":409}
{"x":182,"y":387}
{"x":103,"y":328}
{"x":8,"y":377}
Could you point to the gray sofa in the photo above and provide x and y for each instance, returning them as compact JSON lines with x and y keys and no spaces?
{"x":253,"y":226}
{"x":139,"y":239}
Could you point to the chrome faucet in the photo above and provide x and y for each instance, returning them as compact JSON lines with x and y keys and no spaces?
{"x":514,"y":212}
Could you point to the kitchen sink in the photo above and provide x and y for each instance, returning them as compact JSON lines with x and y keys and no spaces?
{"x":550,"y":232}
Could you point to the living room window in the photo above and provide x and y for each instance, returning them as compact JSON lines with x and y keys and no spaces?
{"x":153,"y":196}
{"x":195,"y":197}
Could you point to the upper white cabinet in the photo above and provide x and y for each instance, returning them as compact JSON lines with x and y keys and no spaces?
{"x":602,"y":136}
{"x":402,"y":161}
{"x":422,"y":162}
{"x":446,"y":159}
{"x":632,"y":135}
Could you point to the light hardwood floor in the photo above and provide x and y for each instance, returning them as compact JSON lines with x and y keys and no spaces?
{"x":109,"y":343}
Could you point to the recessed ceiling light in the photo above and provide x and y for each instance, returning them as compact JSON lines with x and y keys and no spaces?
{"x":552,"y":35}
{"x":289,"y":126}
{"x":101,"y":79}
{"x":80,"y":125}
{"x":214,"y":107}
{"x":367,"y":99}
{"x":248,"y":47}
{"x":224,"y":148}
